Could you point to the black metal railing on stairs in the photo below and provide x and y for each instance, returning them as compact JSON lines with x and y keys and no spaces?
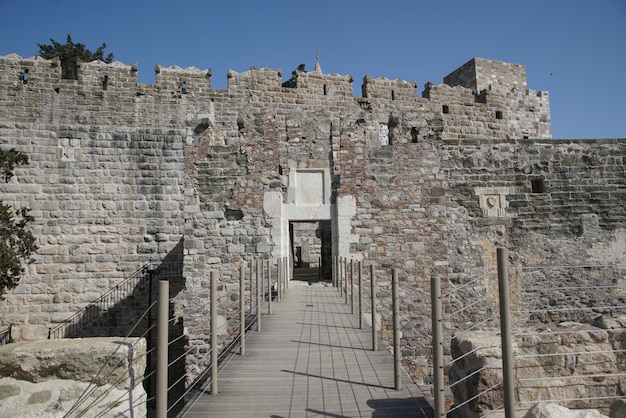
{"x":106,"y":301}
{"x":5,"y":336}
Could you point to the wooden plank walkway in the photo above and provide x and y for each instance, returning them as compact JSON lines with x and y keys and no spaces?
{"x":310,"y":360}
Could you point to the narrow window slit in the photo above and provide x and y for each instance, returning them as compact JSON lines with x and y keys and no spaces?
{"x":537,"y":186}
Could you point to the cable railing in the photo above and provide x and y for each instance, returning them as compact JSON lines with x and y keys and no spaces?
{"x":193,"y":366}
{"x":261,"y":280}
{"x":457,"y":304}
{"x":228,"y":339}
{"x":96,"y":395}
{"x":263,"y":288}
{"x":108,"y":391}
{"x":578,"y":348}
{"x":562,"y":335}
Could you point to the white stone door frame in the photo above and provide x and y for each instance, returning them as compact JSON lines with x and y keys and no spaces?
{"x":308,"y":199}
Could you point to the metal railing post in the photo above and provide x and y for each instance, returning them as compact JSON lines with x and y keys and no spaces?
{"x":337,"y":275}
{"x":352,"y":286}
{"x":269,"y":287}
{"x":437,"y":331}
{"x":150,"y":341}
{"x":373,"y":292}
{"x":283,"y":262}
{"x":261,"y":265}
{"x":285,"y":275}
{"x":397,"y":356}
{"x":252,"y":292}
{"x":242,"y":310}
{"x":505,"y":334}
{"x":289,"y":262}
{"x":319,"y":268}
{"x":340,"y":275}
{"x":345,"y":278}
{"x":279,"y":266}
{"x":162,"y":341}
{"x":334,"y":271}
{"x":360,"y":295}
{"x":258,"y":294}
{"x":213,"y":333}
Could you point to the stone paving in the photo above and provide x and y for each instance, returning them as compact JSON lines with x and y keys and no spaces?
{"x":310,"y":360}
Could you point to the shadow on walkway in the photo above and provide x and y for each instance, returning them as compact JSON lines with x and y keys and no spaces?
{"x":310,"y":360}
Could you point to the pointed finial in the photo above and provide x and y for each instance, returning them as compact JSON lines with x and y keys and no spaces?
{"x":317,"y":69}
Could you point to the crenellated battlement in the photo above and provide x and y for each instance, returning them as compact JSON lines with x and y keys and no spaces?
{"x":477,"y":75}
{"x":175,"y":78}
{"x":383,"y":88}
{"x":39,"y":70}
{"x":485,"y":92}
{"x":255,"y":79}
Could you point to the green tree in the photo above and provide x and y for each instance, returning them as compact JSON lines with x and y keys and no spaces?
{"x":17,"y":242}
{"x":69,"y":53}
{"x":294,"y":74}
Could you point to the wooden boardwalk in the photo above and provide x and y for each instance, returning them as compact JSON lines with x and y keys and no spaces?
{"x":310,"y":360}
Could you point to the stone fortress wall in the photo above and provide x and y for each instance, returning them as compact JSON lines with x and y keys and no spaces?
{"x":122,"y":173}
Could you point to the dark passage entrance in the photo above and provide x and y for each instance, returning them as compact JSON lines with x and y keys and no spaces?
{"x":311,"y":246}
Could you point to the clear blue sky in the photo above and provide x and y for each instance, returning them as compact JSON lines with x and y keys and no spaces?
{"x":574,"y":49}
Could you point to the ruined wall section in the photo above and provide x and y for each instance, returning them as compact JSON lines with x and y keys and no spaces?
{"x":549,"y":184}
{"x":269,"y":131}
{"x":552,"y":203}
{"x":398,"y":188}
{"x":400,"y":224}
{"x":491,"y":114}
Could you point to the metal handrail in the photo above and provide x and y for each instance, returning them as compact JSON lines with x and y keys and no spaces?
{"x":5,"y":336}
{"x":107,"y":300}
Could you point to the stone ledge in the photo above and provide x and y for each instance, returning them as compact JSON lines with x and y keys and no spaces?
{"x":46,"y":378}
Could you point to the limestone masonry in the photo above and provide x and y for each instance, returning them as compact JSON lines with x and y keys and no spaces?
{"x":123,"y":173}
{"x":51,"y":378}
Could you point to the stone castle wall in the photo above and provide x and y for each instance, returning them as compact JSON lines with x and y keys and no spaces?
{"x":105,"y":183}
{"x":556,"y":207}
{"x":122,"y":173}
